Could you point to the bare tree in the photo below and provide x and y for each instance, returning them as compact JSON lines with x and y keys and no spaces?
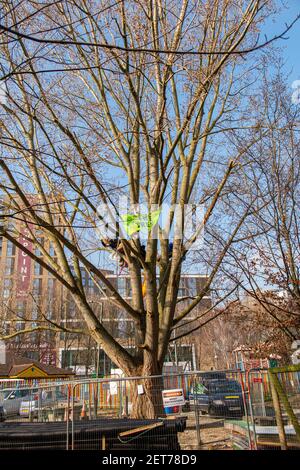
{"x":265,"y":261}
{"x":141,"y":118}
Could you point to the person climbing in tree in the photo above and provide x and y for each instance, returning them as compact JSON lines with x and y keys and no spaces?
{"x":116,"y":245}
{"x":110,"y":243}
{"x":143,"y":250}
{"x":170,"y":250}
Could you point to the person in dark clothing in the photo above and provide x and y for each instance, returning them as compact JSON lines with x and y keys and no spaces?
{"x":143,"y":250}
{"x":170,"y":250}
{"x":110,"y":243}
{"x":115,"y":245}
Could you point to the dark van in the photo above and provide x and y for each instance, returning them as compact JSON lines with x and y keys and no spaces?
{"x":220,"y":398}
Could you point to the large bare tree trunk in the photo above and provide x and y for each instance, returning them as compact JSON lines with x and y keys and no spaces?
{"x":148,"y":403}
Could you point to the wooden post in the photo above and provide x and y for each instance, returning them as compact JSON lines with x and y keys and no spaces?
{"x":278,"y":414}
{"x":90,"y":402}
{"x":196,"y":411}
{"x":95,"y":387}
{"x":288,"y":408}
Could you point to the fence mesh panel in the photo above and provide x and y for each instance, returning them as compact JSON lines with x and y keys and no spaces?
{"x":130,"y":414}
{"x":223,"y":410}
{"x":285,"y":385}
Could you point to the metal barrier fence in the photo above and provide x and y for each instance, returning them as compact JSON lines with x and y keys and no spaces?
{"x":136,"y":398}
{"x":72,"y":414}
{"x":285,"y":389}
{"x":45,"y":400}
{"x":218,"y":410}
{"x":274,"y":408}
{"x":224,"y":412}
{"x":210,"y":398}
{"x":37,"y":382}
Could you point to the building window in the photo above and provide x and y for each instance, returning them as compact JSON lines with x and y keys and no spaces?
{"x":9,"y":266}
{"x":35,"y":311}
{"x":7,"y":286}
{"x":51,"y":287}
{"x":192,"y":286}
{"x":6,"y":328}
{"x":37,"y":250}
{"x":37,"y":287}
{"x":10,"y":249}
{"x":50,"y":308}
{"x":49,"y":336}
{"x":34,"y":355}
{"x":79,"y":357}
{"x":91,"y":357}
{"x":20,"y":325}
{"x":34,"y":336}
{"x":21,"y":308}
{"x":38,"y":270}
{"x":71,"y":310}
{"x":180,"y":353}
{"x":122,"y":286}
{"x":51,"y":250}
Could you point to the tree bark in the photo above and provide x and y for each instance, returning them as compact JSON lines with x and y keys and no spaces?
{"x":148,"y":404}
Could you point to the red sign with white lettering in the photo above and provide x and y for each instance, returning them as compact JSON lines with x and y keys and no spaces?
{"x":24,"y":264}
{"x":257,"y":380}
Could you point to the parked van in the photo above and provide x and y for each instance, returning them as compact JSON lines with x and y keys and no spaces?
{"x":220,"y":398}
{"x":11,"y":400}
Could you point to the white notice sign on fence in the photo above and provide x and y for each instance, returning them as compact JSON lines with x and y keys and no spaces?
{"x":174,"y":397}
{"x":113,"y":388}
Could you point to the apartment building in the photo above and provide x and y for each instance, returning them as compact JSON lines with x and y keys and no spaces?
{"x":30,"y":296}
{"x":182,"y":352}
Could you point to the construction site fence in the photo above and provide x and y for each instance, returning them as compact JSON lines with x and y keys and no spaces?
{"x":236,"y":410}
{"x":75,"y":403}
{"x":36,"y":381}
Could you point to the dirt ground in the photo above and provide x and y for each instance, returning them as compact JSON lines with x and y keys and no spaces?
{"x":213,"y":436}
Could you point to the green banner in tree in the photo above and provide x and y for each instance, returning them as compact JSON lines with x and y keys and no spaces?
{"x":136,"y":222}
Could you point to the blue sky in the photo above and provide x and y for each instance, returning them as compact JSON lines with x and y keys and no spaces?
{"x":290,"y":47}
